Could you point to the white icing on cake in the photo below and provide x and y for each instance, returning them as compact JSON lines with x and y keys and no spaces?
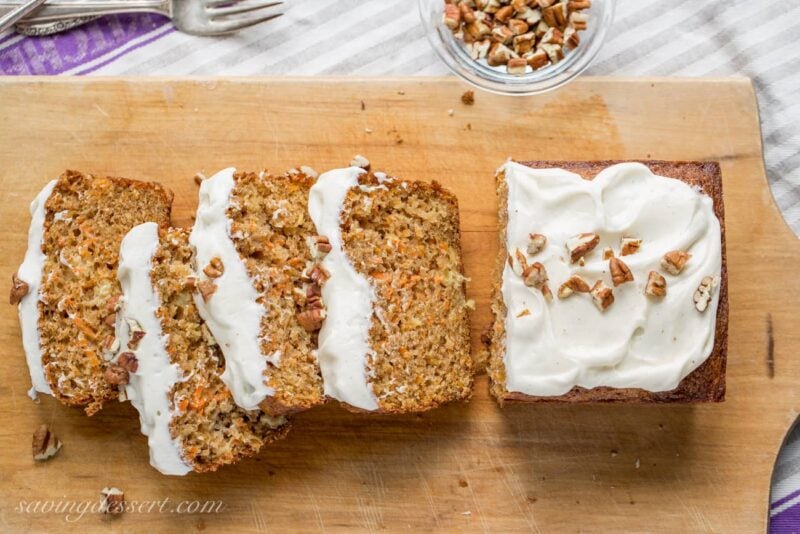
{"x":348,"y":297}
{"x":232,"y":314}
{"x":149,"y":387}
{"x":639,"y":342}
{"x":30,"y":272}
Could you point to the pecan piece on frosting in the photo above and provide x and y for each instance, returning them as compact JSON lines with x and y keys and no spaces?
{"x":581,"y":244}
{"x":536,"y":244}
{"x":674,"y":261}
{"x":45,"y":444}
{"x":702,"y":296}
{"x":620,"y":273}
{"x":575,"y":284}
{"x":207,"y":288}
{"x":656,"y":285}
{"x":535,"y":276}
{"x":18,"y":290}
{"x":602,"y":295}
{"x":215,"y":268}
{"x":629,"y":245}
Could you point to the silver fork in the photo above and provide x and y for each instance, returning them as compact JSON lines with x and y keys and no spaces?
{"x":197,"y":17}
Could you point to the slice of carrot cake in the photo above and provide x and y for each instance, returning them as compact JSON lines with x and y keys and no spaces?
{"x":171,"y":363}
{"x":67,"y":287}
{"x":396,"y":335}
{"x":255,"y":245}
{"x":611,"y":283}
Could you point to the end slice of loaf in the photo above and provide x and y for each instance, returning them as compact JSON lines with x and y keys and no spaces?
{"x":396,"y":335}
{"x":255,"y":246}
{"x":68,"y":315}
{"x":706,"y":383}
{"x":174,"y":364}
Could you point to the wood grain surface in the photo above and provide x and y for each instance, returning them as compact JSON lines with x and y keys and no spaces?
{"x":468,"y":467}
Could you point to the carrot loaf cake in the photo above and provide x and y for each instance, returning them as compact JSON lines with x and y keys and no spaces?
{"x":67,"y":287}
{"x":256,"y":248}
{"x":611,"y":283}
{"x":171,"y":364}
{"x":396,"y":335}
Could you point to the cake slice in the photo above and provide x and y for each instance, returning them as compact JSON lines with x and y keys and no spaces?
{"x":255,"y":246}
{"x":611,"y":283}
{"x":67,"y":287}
{"x":171,"y":364}
{"x":396,"y":335}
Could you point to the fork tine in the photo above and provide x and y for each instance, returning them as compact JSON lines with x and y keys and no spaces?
{"x":215,"y":12}
{"x":228,"y":26}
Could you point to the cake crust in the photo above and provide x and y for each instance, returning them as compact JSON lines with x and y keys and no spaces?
{"x":704,"y":384}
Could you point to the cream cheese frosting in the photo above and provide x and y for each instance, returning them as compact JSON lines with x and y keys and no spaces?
{"x":233,"y":314}
{"x":149,"y":387}
{"x":30,"y":272}
{"x":348,"y":297}
{"x":639,"y":342}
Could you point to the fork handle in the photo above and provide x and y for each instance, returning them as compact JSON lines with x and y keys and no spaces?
{"x":70,"y":9}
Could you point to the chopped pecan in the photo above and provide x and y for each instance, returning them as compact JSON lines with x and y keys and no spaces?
{"x":318,"y":274}
{"x":620,"y":273}
{"x":311,"y":320}
{"x":113,"y":501}
{"x":128,"y":361}
{"x":674,"y":261}
{"x":215,"y":268}
{"x":136,"y":337}
{"x":608,"y":253}
{"x":656,"y":285}
{"x":536,"y":244}
{"x":602,"y":295}
{"x":629,"y":245}
{"x":575,"y":284}
{"x":116,"y":375}
{"x":361,"y":162}
{"x":45,"y":444}
{"x":581,"y":244}
{"x":207,"y":288}
{"x":702,"y":296}
{"x":18,"y":289}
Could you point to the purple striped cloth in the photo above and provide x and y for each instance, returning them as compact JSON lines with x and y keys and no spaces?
{"x":84,"y":49}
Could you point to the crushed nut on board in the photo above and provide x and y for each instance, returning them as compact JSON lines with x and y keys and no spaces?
{"x":468,"y":98}
{"x":112,"y":501}
{"x":361,"y":162}
{"x":45,"y":444}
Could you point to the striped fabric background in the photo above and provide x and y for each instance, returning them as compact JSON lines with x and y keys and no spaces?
{"x":758,"y":39}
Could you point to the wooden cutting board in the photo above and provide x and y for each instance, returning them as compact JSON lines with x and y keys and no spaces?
{"x":468,"y":467}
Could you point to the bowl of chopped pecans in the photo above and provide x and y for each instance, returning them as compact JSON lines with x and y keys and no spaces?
{"x":517,"y":47}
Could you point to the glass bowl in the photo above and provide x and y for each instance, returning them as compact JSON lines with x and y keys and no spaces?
{"x":496,"y":79}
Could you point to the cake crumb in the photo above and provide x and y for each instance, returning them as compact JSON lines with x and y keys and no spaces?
{"x":451,"y":112}
{"x":468,"y":98}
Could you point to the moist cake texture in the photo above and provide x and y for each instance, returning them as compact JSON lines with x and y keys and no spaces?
{"x":637,"y":304}
{"x":257,"y":227}
{"x":398,"y":243}
{"x":185,"y":409}
{"x":82,"y":222}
